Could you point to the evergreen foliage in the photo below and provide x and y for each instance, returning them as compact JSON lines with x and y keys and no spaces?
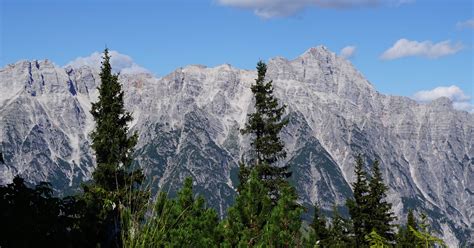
{"x":320,"y":232}
{"x":405,"y":237}
{"x":32,"y":217}
{"x":283,"y":226}
{"x":424,"y":238}
{"x":376,"y":241}
{"x":381,"y":215}
{"x":115,"y":184}
{"x":265,"y":125}
{"x":110,"y":141}
{"x":181,"y":222}
{"x":248,"y":216}
{"x":358,"y":207}
{"x":339,"y":232}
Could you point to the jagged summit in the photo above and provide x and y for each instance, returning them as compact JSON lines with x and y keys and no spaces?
{"x":320,"y":50}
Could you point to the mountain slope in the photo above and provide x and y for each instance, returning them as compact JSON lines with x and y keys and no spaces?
{"x":189,"y":120}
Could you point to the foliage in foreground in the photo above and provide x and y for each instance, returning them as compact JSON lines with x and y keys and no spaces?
{"x":182,"y":222}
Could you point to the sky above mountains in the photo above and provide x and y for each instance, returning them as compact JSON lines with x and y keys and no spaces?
{"x":417,"y":48}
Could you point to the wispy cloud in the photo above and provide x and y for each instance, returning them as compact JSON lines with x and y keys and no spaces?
{"x":454,"y":93}
{"x":281,"y":8}
{"x":466,"y":24}
{"x":428,"y":49}
{"x":120,"y":63}
{"x":348,"y":51}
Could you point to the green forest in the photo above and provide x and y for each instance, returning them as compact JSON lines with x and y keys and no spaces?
{"x":116,"y":209}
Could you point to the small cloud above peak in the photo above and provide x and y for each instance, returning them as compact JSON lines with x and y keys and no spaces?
{"x":348,"y":52}
{"x":459,"y":99}
{"x":282,"y":8}
{"x":120,"y":63}
{"x":428,"y":49}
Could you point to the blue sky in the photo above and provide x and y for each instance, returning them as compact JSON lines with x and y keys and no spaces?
{"x":427,"y":44}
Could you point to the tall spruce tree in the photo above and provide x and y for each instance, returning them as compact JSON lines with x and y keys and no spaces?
{"x":381,"y":215}
{"x":265,"y":125}
{"x":115,"y":183}
{"x":111,"y":141}
{"x":358,"y":207}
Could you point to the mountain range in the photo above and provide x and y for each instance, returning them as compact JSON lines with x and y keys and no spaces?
{"x":188,"y":124}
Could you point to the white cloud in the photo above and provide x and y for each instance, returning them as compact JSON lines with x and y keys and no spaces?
{"x":460,"y":100}
{"x":281,"y":8}
{"x":348,"y":51}
{"x":120,"y":63}
{"x":466,"y":24}
{"x":406,"y":48}
{"x":466,"y":106}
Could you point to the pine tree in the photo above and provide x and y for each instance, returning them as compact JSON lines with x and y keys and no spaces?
{"x":358,"y":207}
{"x":411,"y":221}
{"x":405,"y":237}
{"x":265,"y":125}
{"x":33,"y":217}
{"x":246,"y":219}
{"x":196,"y":224}
{"x":381,"y":215}
{"x":424,"y":238}
{"x":376,"y":241}
{"x":115,"y":183}
{"x":319,"y":225}
{"x":185,"y":221}
{"x":339,"y":232}
{"x":283,"y":226}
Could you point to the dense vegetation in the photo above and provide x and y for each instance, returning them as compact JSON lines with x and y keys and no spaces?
{"x":115,"y":210}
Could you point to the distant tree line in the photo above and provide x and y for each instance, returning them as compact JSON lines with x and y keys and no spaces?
{"x":115,"y":210}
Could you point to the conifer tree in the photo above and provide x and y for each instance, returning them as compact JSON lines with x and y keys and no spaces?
{"x":196,"y":225}
{"x":407,"y":238}
{"x":376,"y":241}
{"x":424,"y":238}
{"x":265,"y":212}
{"x":381,"y":215}
{"x":265,"y":125}
{"x":283,"y":226}
{"x":339,"y":232}
{"x":33,"y":217}
{"x":358,"y":207}
{"x":319,"y":225}
{"x":111,"y":141}
{"x":246,"y":219}
{"x":411,"y":220}
{"x":115,"y":184}
{"x":185,"y":221}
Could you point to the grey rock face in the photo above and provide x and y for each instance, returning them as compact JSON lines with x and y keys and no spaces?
{"x":188,"y":123}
